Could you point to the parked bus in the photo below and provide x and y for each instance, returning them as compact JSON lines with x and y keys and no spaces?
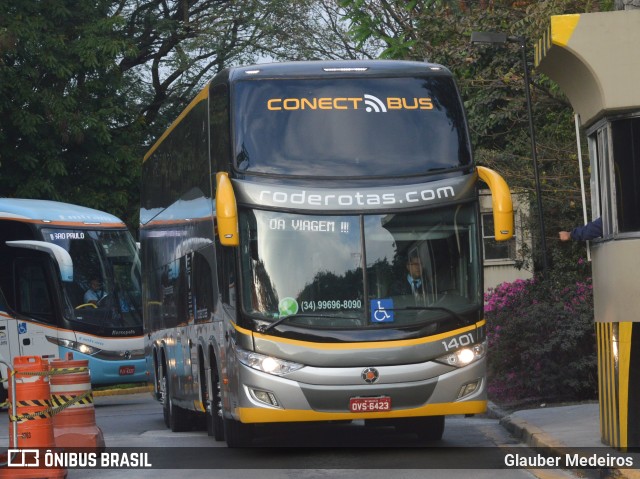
{"x":50,"y":253}
{"x":310,"y":244}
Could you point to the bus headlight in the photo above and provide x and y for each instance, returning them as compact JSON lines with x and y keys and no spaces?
{"x":76,"y":346}
{"x":464,"y":356}
{"x":267,"y":364}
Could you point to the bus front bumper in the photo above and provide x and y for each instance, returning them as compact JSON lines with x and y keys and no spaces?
{"x":111,"y":372}
{"x":428,"y":391}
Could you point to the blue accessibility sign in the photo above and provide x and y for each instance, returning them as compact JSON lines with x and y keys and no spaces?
{"x":382,"y":310}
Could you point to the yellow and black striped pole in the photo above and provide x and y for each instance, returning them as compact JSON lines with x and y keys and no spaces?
{"x":619,"y":383}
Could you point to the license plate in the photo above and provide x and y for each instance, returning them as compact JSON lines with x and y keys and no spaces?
{"x":370,"y":404}
{"x":127,"y":370}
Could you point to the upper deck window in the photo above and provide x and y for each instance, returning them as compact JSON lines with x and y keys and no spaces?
{"x":369,"y":127}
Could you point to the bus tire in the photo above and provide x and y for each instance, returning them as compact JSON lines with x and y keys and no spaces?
{"x":215,"y":424}
{"x":179,"y":418}
{"x":237,"y":434}
{"x":427,"y":428}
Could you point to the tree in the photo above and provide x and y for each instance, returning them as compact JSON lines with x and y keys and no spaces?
{"x":492,"y":87}
{"x":58,"y":100}
{"x":317,"y":30}
{"x":86,"y":87}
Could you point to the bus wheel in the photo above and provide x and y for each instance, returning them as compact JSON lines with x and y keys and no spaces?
{"x":179,"y":418}
{"x":215,"y":424}
{"x":237,"y":434}
{"x":428,"y":428}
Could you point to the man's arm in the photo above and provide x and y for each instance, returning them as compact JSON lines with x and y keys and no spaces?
{"x":591,"y":230}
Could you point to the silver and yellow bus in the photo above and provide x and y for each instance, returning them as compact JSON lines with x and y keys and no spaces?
{"x":310,"y":243}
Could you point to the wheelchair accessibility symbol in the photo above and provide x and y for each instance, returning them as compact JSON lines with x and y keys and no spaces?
{"x":382,"y":310}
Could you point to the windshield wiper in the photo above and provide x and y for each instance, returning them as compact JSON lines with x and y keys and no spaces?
{"x":282,"y":319}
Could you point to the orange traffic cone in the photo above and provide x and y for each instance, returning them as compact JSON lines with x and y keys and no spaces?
{"x":33,"y":417}
{"x":35,"y":428}
{"x":75,"y":425}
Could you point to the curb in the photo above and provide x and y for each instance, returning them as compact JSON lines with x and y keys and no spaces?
{"x":122,"y":392}
{"x":533,"y":436}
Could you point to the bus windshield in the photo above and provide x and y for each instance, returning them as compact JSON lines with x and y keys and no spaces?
{"x":105,"y":291}
{"x":351,"y":127}
{"x":361,"y":271}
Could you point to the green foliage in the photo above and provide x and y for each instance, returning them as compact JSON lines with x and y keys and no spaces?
{"x":86,"y":87}
{"x":491,"y":82}
{"x":59,"y":83}
{"x":542,"y":344}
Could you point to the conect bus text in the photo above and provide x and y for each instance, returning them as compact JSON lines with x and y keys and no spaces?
{"x":345,"y":103}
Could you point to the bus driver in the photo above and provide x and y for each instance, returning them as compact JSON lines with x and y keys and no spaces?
{"x":95,"y":292}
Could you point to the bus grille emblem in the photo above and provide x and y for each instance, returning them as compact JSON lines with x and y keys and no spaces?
{"x":127,"y":354}
{"x":370,"y":375}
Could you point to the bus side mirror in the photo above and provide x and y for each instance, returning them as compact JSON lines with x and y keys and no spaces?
{"x":501,"y":203}
{"x":58,"y":253}
{"x":226,"y":211}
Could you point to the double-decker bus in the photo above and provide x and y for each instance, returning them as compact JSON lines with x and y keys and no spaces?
{"x":310,"y":246}
{"x":50,"y":253}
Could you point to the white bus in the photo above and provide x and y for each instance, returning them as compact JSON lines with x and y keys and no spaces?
{"x":50,"y":252}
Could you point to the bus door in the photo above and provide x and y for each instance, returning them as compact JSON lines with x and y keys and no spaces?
{"x":6,"y":321}
{"x":36,"y":322}
{"x":187,"y":314}
{"x":7,"y":338}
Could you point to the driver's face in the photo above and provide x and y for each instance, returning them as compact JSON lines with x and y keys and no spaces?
{"x":414,"y":268}
{"x":95,"y":284}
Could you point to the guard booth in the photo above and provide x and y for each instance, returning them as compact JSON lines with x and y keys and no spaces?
{"x":595,"y":59}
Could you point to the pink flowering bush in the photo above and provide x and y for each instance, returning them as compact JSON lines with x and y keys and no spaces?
{"x":542,"y":343}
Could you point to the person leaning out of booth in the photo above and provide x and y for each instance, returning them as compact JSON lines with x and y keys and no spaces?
{"x":591,"y":230}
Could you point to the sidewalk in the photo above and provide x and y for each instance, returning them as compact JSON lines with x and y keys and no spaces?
{"x":554,"y":429}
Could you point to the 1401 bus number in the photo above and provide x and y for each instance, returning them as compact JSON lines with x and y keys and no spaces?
{"x":458,"y":342}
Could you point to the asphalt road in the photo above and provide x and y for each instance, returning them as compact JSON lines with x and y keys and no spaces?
{"x":133,"y":425}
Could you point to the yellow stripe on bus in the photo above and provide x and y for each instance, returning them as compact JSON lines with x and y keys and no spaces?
{"x":360,"y":345}
{"x":263,"y":415}
{"x":203,"y":95}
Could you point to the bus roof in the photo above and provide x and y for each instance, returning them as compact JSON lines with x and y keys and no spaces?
{"x":309,"y":69}
{"x":355,"y":68}
{"x":54,"y":212}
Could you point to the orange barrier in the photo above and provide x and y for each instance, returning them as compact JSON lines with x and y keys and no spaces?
{"x":35,"y":427}
{"x":75,"y":425}
{"x":33,"y":418}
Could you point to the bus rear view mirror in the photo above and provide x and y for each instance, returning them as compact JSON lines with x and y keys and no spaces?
{"x":501,"y":203}
{"x":58,"y":253}
{"x":226,"y":211}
